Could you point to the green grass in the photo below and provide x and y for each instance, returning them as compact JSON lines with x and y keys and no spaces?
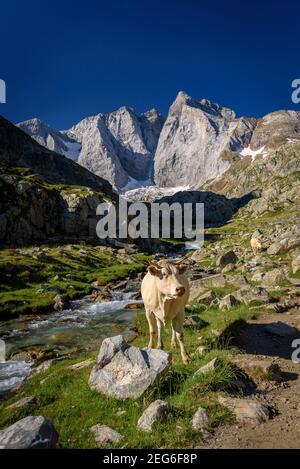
{"x":29,"y":284}
{"x":63,"y":395}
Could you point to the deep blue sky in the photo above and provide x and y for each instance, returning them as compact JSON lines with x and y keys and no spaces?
{"x":64,"y":60}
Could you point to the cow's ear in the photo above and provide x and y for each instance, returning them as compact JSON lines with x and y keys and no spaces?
{"x":154,"y":270}
{"x":182,"y":269}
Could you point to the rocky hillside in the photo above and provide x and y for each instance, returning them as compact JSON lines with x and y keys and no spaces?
{"x":274,"y":180}
{"x":117,"y":146}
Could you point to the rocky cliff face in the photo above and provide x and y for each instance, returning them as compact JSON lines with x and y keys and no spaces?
{"x":118,"y":146}
{"x":32,"y":210}
{"x":198,"y":142}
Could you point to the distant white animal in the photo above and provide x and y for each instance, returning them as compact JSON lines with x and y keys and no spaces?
{"x":165,"y":292}
{"x":256,"y":245}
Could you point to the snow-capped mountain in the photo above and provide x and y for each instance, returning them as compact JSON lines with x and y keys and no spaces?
{"x":119,"y":146}
{"x":196,"y":144}
{"x":50,"y":138}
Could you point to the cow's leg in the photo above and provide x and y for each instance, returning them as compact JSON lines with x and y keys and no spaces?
{"x":159,"y":334}
{"x":173,"y":340}
{"x":151,"y":322}
{"x":177,"y":324}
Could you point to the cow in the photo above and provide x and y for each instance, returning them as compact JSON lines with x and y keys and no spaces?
{"x":165,"y":292}
{"x":256,"y":245}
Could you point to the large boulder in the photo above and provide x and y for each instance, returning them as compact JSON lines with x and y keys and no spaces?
{"x":29,"y":433}
{"x":124,"y":371}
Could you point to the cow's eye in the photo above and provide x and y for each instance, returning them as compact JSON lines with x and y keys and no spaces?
{"x":164,"y":274}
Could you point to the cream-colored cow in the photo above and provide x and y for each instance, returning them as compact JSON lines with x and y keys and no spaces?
{"x":165,"y":292}
{"x":256,"y":245}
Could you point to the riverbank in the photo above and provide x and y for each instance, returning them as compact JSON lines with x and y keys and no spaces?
{"x":31,"y":277}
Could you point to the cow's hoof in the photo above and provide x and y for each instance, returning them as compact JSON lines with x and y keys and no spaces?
{"x":173,"y":345}
{"x":160,"y":346}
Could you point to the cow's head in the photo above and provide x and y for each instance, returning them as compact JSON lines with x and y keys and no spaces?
{"x":169,"y":277}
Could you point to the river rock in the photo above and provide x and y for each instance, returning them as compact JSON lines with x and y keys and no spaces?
{"x":156,"y":412}
{"x":59,"y":303}
{"x":13,"y":375}
{"x":296,"y":264}
{"x":246,"y":410}
{"x":29,"y":433}
{"x":105,"y":435}
{"x":124,"y":371}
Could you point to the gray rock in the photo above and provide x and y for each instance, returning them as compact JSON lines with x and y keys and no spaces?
{"x":29,"y":433}
{"x":249,"y":294}
{"x":13,"y":375}
{"x":44,"y":366}
{"x":258,"y":369}
{"x":210,"y":366}
{"x":228,"y":257}
{"x":124,"y":371}
{"x":281,"y":329}
{"x":296,"y":264}
{"x":200,"y":420}
{"x":246,"y":410}
{"x":207,"y":297}
{"x":80,"y":365}
{"x":105,"y":435}
{"x":198,"y":286}
{"x":109,"y":347}
{"x":156,"y":412}
{"x":202,"y":350}
{"x":273,"y":277}
{"x":227,"y":302}
{"x":25,"y":402}
{"x":228,"y":268}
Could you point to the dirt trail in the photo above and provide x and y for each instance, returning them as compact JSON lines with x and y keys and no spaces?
{"x":283,"y":430}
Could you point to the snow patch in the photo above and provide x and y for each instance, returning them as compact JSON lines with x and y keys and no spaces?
{"x":151,"y":193}
{"x":253,"y":153}
{"x":73,"y":150}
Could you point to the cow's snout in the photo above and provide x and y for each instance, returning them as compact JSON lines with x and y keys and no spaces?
{"x":180,"y":290}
